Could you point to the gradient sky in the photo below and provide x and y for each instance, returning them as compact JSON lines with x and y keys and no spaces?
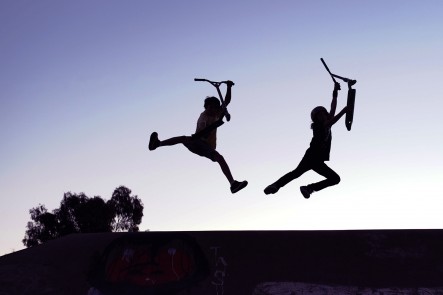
{"x":84,"y":83}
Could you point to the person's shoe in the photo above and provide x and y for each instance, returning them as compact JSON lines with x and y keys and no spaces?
{"x":236,"y":186}
{"x":271,"y":189}
{"x":306,"y":192}
{"x":153,"y":141}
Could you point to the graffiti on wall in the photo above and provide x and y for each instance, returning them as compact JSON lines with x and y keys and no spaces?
{"x":158,"y":263}
{"x":219,"y":273}
{"x":293,"y":288}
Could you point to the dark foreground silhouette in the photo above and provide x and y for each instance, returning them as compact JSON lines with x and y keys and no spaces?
{"x":320,"y":146}
{"x":230,"y":262}
{"x":204,"y":141}
{"x":317,"y":153}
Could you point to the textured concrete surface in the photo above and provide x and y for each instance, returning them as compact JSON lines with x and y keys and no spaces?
{"x":238,"y":262}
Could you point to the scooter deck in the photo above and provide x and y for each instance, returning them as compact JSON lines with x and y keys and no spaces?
{"x":350,"y":111}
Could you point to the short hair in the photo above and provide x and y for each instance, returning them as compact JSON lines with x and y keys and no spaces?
{"x":211,"y":100}
{"x":316,"y":110}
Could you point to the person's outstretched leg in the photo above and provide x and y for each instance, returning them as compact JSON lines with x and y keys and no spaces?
{"x":154,"y":142}
{"x":332,"y":178}
{"x":175,"y":140}
{"x":305,"y":165}
{"x":235,"y":185}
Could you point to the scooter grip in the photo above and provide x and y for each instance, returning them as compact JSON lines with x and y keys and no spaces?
{"x":226,"y":82}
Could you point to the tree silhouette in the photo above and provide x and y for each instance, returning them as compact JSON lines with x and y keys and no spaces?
{"x":81,"y":214}
{"x":44,"y":227}
{"x":128,"y":211}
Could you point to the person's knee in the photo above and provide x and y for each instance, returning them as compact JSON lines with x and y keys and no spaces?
{"x":336,"y":179}
{"x":216,"y":157}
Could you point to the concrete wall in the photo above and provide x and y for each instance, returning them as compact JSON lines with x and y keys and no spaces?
{"x":231,"y":262}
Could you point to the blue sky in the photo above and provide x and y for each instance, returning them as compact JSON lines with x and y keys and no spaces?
{"x":84,"y":83}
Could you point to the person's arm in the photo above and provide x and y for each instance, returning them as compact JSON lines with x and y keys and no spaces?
{"x":337,"y":117}
{"x":334,"y":99}
{"x":227,"y":98}
{"x":203,"y":132}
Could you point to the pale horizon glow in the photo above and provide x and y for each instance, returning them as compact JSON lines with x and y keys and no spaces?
{"x":83,"y":84}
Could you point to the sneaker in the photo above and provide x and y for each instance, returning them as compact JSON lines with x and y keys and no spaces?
{"x":271,"y":189}
{"x":236,"y":186}
{"x":153,"y":141}
{"x":306,"y":191}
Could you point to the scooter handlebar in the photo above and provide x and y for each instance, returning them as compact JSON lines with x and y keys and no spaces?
{"x":216,"y":85}
{"x":212,"y":82}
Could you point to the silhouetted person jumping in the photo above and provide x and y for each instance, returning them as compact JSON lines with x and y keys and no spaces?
{"x":317,"y":153}
{"x":204,"y":141}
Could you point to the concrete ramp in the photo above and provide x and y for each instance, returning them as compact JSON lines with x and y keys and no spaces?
{"x":230,"y":262}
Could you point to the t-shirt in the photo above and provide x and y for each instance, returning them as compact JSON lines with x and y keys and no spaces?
{"x":204,"y":121}
{"x":320,"y":146}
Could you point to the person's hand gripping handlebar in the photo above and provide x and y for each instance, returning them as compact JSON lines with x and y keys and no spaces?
{"x":217,"y":86}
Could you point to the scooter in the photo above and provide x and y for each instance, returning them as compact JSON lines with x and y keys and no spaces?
{"x":351,"y":96}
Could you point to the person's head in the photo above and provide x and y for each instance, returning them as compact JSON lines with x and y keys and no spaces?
{"x":212,"y":103}
{"x":319,"y":114}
